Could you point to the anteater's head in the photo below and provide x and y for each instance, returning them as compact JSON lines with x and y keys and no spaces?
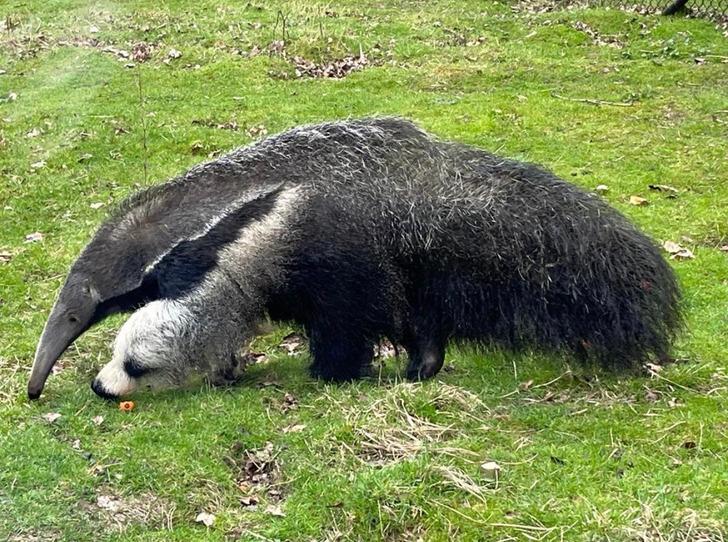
{"x":73,"y":313}
{"x":153,"y":245}
{"x":85,"y":299}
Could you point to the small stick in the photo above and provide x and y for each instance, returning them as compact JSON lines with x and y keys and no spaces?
{"x":144,"y":126}
{"x":592,"y":101}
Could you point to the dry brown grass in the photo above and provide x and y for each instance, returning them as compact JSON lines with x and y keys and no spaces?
{"x":687,"y":527}
{"x":388,"y":429}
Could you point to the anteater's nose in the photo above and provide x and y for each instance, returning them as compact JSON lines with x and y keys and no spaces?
{"x":101,"y":391}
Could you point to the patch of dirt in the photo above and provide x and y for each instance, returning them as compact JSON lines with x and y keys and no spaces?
{"x":209,"y":123}
{"x":256,"y":473}
{"x":333,"y":69}
{"x":598,"y":38}
{"x":547,"y":6}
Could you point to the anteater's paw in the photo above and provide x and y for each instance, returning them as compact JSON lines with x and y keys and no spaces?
{"x":340,"y":374}
{"x":417,"y":373}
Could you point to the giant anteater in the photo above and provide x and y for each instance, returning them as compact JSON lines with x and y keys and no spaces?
{"x":360,"y":230}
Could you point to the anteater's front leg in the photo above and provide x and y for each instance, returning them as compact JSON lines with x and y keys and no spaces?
{"x":338,"y":355}
{"x":426,"y":356}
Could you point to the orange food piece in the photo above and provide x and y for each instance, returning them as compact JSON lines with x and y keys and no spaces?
{"x":126,"y":406}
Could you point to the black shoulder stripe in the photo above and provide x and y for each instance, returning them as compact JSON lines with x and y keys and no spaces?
{"x":186,"y":265}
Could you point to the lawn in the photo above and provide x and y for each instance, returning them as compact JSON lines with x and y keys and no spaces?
{"x":100,"y":98}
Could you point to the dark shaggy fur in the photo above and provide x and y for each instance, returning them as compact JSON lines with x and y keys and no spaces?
{"x":471,"y":247}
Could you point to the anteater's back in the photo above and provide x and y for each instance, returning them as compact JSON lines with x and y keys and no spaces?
{"x":449,"y":239}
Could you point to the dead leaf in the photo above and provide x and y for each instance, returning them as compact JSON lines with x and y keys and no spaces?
{"x":637,"y":200}
{"x":35,"y":132}
{"x":230,"y":125}
{"x":602,"y":189}
{"x":96,"y":205}
{"x":524,"y":386}
{"x":34,"y":237}
{"x":255,"y":467}
{"x":93,"y":29}
{"x":141,"y":52}
{"x":98,"y":420}
{"x":335,"y":69}
{"x":174,"y":53}
{"x":677,"y":252}
{"x":385,"y":350}
{"x":254,"y":358}
{"x":51,"y":417}
{"x":257,"y":131}
{"x":5,"y":256}
{"x":276,"y":47}
{"x":664,"y":188}
{"x":118,"y":52}
{"x":291,"y":343}
{"x":109,"y":503}
{"x":275,"y":510}
{"x":297,"y":428}
{"x":671,"y":246}
{"x":205,"y":518}
{"x":724,"y":248}
{"x":38,"y":165}
{"x":652,"y":396}
{"x":275,"y":494}
{"x":289,"y":403}
{"x":249,"y":500}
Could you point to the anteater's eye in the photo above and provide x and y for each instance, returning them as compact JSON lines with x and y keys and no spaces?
{"x":73,"y":319}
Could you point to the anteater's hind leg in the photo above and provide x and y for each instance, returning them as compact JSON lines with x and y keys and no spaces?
{"x":338,"y":355}
{"x":426,"y":357}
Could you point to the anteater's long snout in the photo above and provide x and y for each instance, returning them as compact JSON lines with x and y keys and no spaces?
{"x":58,"y":334}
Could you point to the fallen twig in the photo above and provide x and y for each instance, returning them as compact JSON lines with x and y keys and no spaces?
{"x":592,"y":101}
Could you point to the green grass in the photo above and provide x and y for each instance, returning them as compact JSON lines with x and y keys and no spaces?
{"x":583,"y":456}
